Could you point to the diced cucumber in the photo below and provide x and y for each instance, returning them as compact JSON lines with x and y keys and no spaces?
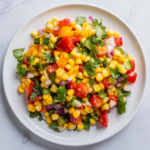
{"x":51,"y":46}
{"x":76,"y":103}
{"x":62,"y":119}
{"x":78,"y":81}
{"x":127,"y":65}
{"x":105,"y":100}
{"x":61,"y":93}
{"x":31,"y":59}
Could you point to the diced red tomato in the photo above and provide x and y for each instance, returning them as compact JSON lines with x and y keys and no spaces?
{"x":65,"y":22}
{"x":65,"y":44}
{"x":72,"y":85}
{"x":105,"y":82}
{"x":44,"y":108}
{"x":66,"y":69}
{"x":118,"y":41}
{"x":52,"y":68}
{"x":133,"y":67}
{"x":95,"y":101}
{"x":104,"y":119}
{"x":29,"y":89}
{"x":81,"y":107}
{"x":81,"y":90}
{"x":113,"y":97}
{"x":76,"y":39}
{"x":53,"y":51}
{"x":56,"y":32}
{"x":75,"y":120}
{"x":132,"y":77}
{"x":25,"y":61}
{"x":73,"y":29}
{"x":38,"y":98}
{"x":80,"y":67}
{"x":39,"y":48}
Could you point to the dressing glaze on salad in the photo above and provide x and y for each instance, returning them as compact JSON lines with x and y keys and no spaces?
{"x":75,"y":73}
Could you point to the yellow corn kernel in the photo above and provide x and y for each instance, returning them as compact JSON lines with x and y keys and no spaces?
{"x":85,"y":99}
{"x":53,"y":38}
{"x":110,"y":92}
{"x":130,"y":57}
{"x":82,"y":39}
{"x":88,"y":28}
{"x":105,"y":107}
{"x":98,"y":112}
{"x":78,"y":61}
{"x":92,"y":121}
{"x":70,"y":72}
{"x":66,"y":55}
{"x":57,"y":80}
{"x":36,"y":73}
{"x":116,"y":93}
{"x":101,"y":85}
{"x":43,"y":79}
{"x":38,"y":106}
{"x":83,"y":57}
{"x":121,"y":58}
{"x":25,"y":67}
{"x":121,"y":68}
{"x":56,"y":54}
{"x":27,"y":82}
{"x":54,"y":88}
{"x":113,"y":89}
{"x":105,"y":73}
{"x":30,"y":107}
{"x":55,"y":116}
{"x":34,"y":33}
{"x":80,"y":126}
{"x":76,"y":113}
{"x":96,"y":87}
{"x":77,"y":32}
{"x":110,"y":81}
{"x":49,"y":26}
{"x":84,"y":34}
{"x":45,"y":47}
{"x":92,"y":32}
{"x":117,"y":53}
{"x":55,"y":19}
{"x":68,"y":66}
{"x":87,"y":58}
{"x":88,"y":109}
{"x":76,"y":68}
{"x":65,"y":76}
{"x":73,"y":24}
{"x":49,"y":22}
{"x":86,"y":80}
{"x":90,"y":90}
{"x":68,"y":98}
{"x":99,"y":77}
{"x":83,"y":112}
{"x":71,"y":62}
{"x":46,"y":96}
{"x":75,"y":54}
{"x":49,"y":101}
{"x":83,"y":117}
{"x":48,"y":119}
{"x":80,"y":75}
{"x":71,"y":126}
{"x":113,"y":64}
{"x":98,"y":70}
{"x":23,"y":85}
{"x":70,"y":92}
{"x":85,"y":74}
{"x":20,"y":89}
{"x":46,"y":114}
{"x":72,"y":33}
{"x":110,"y":32}
{"x":116,"y":35}
{"x":23,"y":79}
{"x":59,"y":72}
{"x":65,"y":125}
{"x":85,"y":24}
{"x":71,"y":110}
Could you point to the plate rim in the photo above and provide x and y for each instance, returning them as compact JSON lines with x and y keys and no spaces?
{"x":137,"y":39}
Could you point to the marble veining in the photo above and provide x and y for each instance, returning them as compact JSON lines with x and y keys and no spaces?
{"x":14,"y":136}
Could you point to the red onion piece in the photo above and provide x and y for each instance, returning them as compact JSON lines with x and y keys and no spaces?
{"x":29,"y":75}
{"x":90,"y":17}
{"x":89,"y":21}
{"x":56,"y":28}
{"x":119,"y":80}
{"x":118,"y":84}
{"x":69,"y":80}
{"x":61,"y":111}
{"x":60,"y":128}
{"x":100,"y":123}
{"x":48,"y":36}
{"x":62,"y":82}
{"x":112,"y":52}
{"x":104,"y":40}
{"x":40,"y":31}
{"x":110,"y":86}
{"x":112,"y":103}
{"x":50,"y":107}
{"x":127,"y":87}
{"x":57,"y":106}
{"x":48,"y":82}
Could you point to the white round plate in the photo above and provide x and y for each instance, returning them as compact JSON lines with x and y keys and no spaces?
{"x":18,"y":102}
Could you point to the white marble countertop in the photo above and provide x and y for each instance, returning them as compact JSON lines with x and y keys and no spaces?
{"x":14,"y":136}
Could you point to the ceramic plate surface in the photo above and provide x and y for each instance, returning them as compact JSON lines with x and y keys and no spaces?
{"x":17,"y":101}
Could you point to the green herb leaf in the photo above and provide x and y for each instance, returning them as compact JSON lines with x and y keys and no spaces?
{"x":37,"y":88}
{"x":114,"y":73}
{"x":85,"y":51}
{"x":37,"y":40}
{"x":80,"y":20}
{"x":61,"y":93}
{"x":52,"y":111}
{"x":94,"y":115}
{"x":33,"y":95}
{"x":51,"y":46}
{"x":20,"y":70}
{"x":45,"y":41}
{"x":36,"y":66}
{"x":63,"y":119}
{"x":18,"y":54}
{"x":91,"y":83}
{"x":49,"y":57}
{"x":86,"y":123}
{"x":87,"y":43}
{"x":93,"y":53}
{"x":46,"y":91}
{"x":120,"y":49}
{"x":121,"y":106}
{"x":54,"y":126}
{"x":35,"y":115}
{"x":123,"y":93}
{"x":89,"y":68}
{"x":124,"y":77}
{"x":31,"y":59}
{"x":52,"y":78}
{"x":105,"y":63}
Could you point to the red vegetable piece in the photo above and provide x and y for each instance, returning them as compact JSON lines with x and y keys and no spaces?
{"x":133,"y":66}
{"x":52,"y":68}
{"x":132,"y":77}
{"x":29,"y":89}
{"x":75,"y":120}
{"x":65,"y":22}
{"x":72,"y":85}
{"x":39,"y":48}
{"x":25,"y":61}
{"x":118,"y":41}
{"x":76,"y":39}
{"x":104,"y":118}
{"x":53,"y":51}
{"x":113,"y":97}
{"x":80,"y":67}
{"x":95,"y":101}
{"x":105,"y":82}
{"x":38,"y":98}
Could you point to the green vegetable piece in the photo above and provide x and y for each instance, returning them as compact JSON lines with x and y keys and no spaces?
{"x":94,"y":115}
{"x":20,"y":70}
{"x":86,"y":123}
{"x":91,"y":83}
{"x":51,"y":46}
{"x":52,"y":111}
{"x":61,"y":93}
{"x":37,"y":40}
{"x":105,"y":62}
{"x":87,"y":43}
{"x":37,"y":88}
{"x":70,"y":102}
{"x":33,"y":95}
{"x":78,"y":81}
{"x":31,"y":59}
{"x":80,"y":20}
{"x":49,"y":57}
{"x":121,"y":50}
{"x":105,"y":99}
{"x":45,"y":41}
{"x":123,"y":93}
{"x":46,"y":91}
{"x":76,"y":103}
{"x":36,"y":66}
{"x":127,"y":65}
{"x":114,"y":73}
{"x":54,"y":125}
{"x":63,"y":119}
{"x":94,"y":40}
{"x":18,"y":54}
{"x":121,"y":106}
{"x":35,"y":115}
{"x":85,"y":51}
{"x":89,"y":68}
{"x":52,"y":78}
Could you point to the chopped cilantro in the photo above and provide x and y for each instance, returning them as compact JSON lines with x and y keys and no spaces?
{"x":80,"y":20}
{"x":31,"y":59}
{"x":35,"y":115}
{"x":87,"y":43}
{"x":105,"y":63}
{"x":52,"y":78}
{"x":51,"y":46}
{"x":70,"y":102}
{"x":33,"y":95}
{"x":20,"y":70}
{"x":36,"y":66}
{"x":45,"y":41}
{"x":121,"y":106}
{"x":85,"y":51}
{"x":37,"y":40}
{"x":114,"y":73}
{"x":18,"y":54}
{"x":49,"y":57}
{"x":54,"y":126}
{"x":123,"y":93}
{"x":89,"y":68}
{"x":86,"y":123}
{"x":120,"y":49}
{"x":52,"y":111}
{"x":91,"y":83}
